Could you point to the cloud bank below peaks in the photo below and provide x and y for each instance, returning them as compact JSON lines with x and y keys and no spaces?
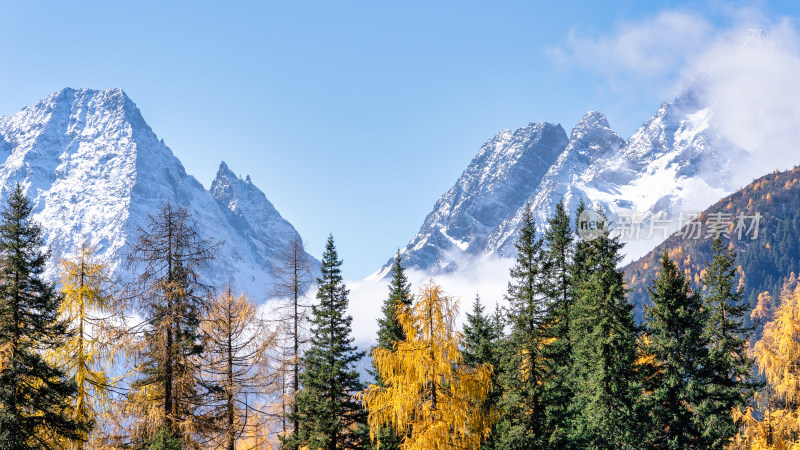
{"x":488,"y":278}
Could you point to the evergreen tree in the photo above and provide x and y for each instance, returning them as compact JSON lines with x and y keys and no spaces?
{"x":389,"y":329}
{"x":603,"y":337}
{"x":523,"y":368}
{"x":558,"y":249}
{"x":36,"y":398}
{"x":389,"y":333}
{"x":329,"y":414}
{"x":480,"y":336}
{"x":729,"y":368}
{"x":675,"y":338}
{"x":163,"y":440}
{"x":481,"y":347}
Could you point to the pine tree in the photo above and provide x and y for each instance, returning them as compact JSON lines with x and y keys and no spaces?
{"x":603,"y":337}
{"x":481,"y":347}
{"x":328,"y":412}
{"x":431,"y":395}
{"x":729,"y":366}
{"x":390,"y":332}
{"x":523,"y":365}
{"x":36,"y":397}
{"x":674,"y":335}
{"x":88,"y":353}
{"x":168,"y":390}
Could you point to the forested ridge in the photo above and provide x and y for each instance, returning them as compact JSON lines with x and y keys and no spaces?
{"x":764,"y":261}
{"x":166,"y":362}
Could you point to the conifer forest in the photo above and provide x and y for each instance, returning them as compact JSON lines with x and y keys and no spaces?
{"x":166,"y":362}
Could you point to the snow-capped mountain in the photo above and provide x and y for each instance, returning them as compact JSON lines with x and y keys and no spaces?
{"x":675,"y":164}
{"x":95,"y":171}
{"x":497,"y":182}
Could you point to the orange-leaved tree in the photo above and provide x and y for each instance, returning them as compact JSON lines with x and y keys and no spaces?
{"x":429,"y":395}
{"x":237,"y":344}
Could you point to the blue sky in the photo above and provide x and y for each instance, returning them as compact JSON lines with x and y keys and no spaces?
{"x":354,"y":117}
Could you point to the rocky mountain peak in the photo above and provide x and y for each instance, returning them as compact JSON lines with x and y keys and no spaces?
{"x":94,"y":171}
{"x":591,"y":121}
{"x":675,"y":162}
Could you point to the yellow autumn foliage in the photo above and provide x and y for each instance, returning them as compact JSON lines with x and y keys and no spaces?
{"x":776,"y":354}
{"x":237,"y":344}
{"x":88,"y":352}
{"x":430,"y":396}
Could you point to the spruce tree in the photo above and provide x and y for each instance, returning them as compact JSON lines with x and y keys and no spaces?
{"x":481,"y":346}
{"x":524,"y":370}
{"x":389,"y":333}
{"x":675,"y":339}
{"x":389,"y":329}
{"x":603,"y":337}
{"x":35,"y":397}
{"x":558,"y":246}
{"x":729,"y":368}
{"x":328,"y":413}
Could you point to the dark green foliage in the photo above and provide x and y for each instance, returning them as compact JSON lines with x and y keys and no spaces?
{"x":603,"y":337}
{"x":35,"y":397}
{"x":522,"y":422}
{"x":675,"y":383}
{"x":389,"y":329}
{"x":389,"y":332}
{"x":480,"y":337}
{"x":164,"y":440}
{"x":729,"y":368}
{"x":482,"y":346}
{"x":327,"y":410}
{"x":558,"y":247}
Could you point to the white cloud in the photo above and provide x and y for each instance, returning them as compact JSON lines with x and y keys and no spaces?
{"x":748,"y":72}
{"x":641,"y":51}
{"x":751,"y":80}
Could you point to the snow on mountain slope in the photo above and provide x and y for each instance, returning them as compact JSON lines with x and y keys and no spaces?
{"x":95,"y":171}
{"x":495,"y":184}
{"x":675,"y":164}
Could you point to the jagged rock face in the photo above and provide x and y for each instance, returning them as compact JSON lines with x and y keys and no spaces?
{"x":496,"y":184}
{"x":95,"y":171}
{"x":675,"y":163}
{"x":591,"y":140}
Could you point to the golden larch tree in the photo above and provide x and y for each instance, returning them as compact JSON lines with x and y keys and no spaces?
{"x":777,"y":423}
{"x":237,"y":345}
{"x":87,"y":355}
{"x":430,"y":396}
